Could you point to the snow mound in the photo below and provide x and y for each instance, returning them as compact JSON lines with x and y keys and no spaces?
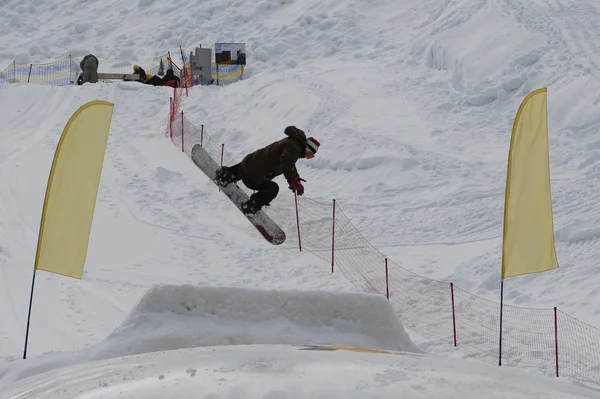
{"x":173,"y":317}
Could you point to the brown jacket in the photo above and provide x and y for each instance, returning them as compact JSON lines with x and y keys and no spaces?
{"x":279,"y":157}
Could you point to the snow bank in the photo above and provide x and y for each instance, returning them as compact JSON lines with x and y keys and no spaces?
{"x":173,"y":317}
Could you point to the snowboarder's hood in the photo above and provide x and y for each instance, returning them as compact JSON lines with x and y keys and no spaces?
{"x":296,"y":134}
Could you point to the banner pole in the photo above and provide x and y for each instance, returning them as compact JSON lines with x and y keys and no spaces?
{"x":556,"y":338}
{"x":501,"y":306}
{"x":453,"y":312}
{"x":29,"y":315}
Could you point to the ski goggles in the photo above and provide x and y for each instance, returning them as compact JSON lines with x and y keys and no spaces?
{"x":310,"y":154}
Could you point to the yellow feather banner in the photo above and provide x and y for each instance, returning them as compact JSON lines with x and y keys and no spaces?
{"x":72,"y":190}
{"x":528,"y":244}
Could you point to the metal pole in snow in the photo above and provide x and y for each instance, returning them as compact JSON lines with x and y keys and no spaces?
{"x":556,"y":338}
{"x":298,"y":222}
{"x":387,"y":281}
{"x":171,"y":117}
{"x":453,"y":314}
{"x":501,"y":305}
{"x":333,"y":239}
{"x":29,"y":315}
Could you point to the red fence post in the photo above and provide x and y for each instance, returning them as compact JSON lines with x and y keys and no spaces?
{"x":174,"y":101}
{"x":185,"y":79}
{"x":333,"y":239}
{"x":222,"y":151}
{"x":298,"y":222}
{"x":173,"y":105}
{"x":201,"y":135}
{"x":387,"y":281}
{"x":171,"y":117}
{"x":556,"y":339}
{"x":453,"y":313}
{"x":182,"y":150}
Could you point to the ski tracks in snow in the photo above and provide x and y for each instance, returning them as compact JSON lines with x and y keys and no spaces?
{"x":413,"y":173}
{"x":579,"y":26}
{"x":568,"y":24}
{"x":572,"y":28}
{"x":142,"y":193}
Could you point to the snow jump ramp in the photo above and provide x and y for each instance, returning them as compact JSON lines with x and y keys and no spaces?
{"x":175,"y":317}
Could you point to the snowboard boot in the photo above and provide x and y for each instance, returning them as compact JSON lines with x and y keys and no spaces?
{"x":223,"y":176}
{"x":251,"y":206}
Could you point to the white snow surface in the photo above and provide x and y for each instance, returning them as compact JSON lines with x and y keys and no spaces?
{"x":413,"y":103}
{"x":278,"y":371}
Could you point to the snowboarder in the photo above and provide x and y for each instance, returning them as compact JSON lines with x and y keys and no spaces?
{"x":169,"y":77}
{"x":257,"y":169}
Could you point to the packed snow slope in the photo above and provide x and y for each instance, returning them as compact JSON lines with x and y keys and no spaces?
{"x":283,"y":371}
{"x":412,"y":101}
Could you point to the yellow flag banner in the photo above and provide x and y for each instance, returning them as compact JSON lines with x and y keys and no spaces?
{"x":72,"y":190}
{"x":528,"y":245}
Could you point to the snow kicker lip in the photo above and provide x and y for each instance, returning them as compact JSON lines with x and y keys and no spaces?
{"x":331,"y":348}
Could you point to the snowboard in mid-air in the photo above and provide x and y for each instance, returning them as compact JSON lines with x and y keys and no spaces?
{"x":263,"y":223}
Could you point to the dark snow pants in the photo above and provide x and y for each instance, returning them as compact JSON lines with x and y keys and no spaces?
{"x":265,"y":192}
